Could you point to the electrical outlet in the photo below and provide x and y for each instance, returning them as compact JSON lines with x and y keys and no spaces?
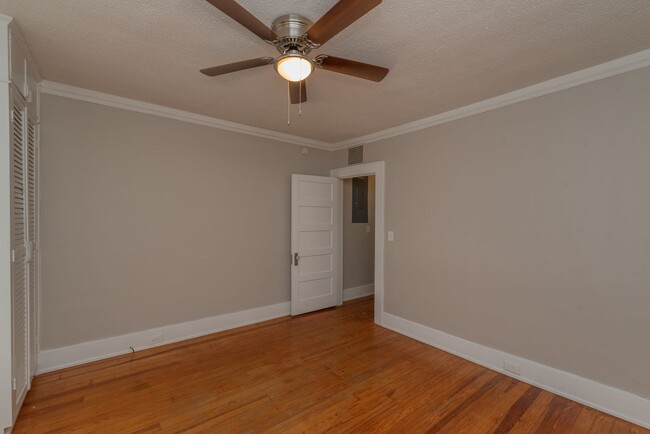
{"x":391,"y":236}
{"x":512,"y":367}
{"x":156,"y":339}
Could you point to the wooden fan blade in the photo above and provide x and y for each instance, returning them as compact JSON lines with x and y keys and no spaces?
{"x":298,"y":94}
{"x":342,"y":14}
{"x":235,"y":11}
{"x":237,"y":66}
{"x":351,"y":67}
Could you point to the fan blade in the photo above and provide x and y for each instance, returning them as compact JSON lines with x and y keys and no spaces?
{"x":298,"y":91}
{"x":342,"y":14}
{"x":235,"y":11}
{"x":351,"y":67}
{"x":237,"y":66}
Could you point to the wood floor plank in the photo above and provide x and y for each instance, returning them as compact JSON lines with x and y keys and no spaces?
{"x":329,"y":371}
{"x":486,"y":413}
{"x":561,"y":416}
{"x":533,"y":417}
{"x":517,"y":410}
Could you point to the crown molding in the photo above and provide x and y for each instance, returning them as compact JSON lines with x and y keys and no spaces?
{"x":4,"y":49}
{"x":17,"y":36}
{"x":594,"y":73}
{"x":618,"y":66}
{"x":59,"y":89}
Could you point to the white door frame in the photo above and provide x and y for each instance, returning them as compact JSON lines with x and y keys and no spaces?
{"x":378,"y":170}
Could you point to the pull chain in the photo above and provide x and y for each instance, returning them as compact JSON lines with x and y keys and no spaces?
{"x":300,"y":92}
{"x":288,"y":103}
{"x":300,"y":97}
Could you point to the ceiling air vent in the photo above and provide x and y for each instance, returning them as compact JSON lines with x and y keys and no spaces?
{"x":355,"y":155}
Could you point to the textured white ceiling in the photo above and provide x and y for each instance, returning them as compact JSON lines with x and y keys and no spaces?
{"x":443,"y":54}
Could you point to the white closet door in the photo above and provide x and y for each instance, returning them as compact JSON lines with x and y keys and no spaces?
{"x":31,"y":161}
{"x":19,"y":296}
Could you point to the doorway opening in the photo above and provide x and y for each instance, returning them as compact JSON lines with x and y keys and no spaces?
{"x":358,"y":237}
{"x":375,"y":172}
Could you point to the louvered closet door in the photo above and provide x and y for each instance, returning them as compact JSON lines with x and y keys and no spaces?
{"x":18,"y":245}
{"x":31,"y":161}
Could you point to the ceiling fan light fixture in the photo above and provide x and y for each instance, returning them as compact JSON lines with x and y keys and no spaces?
{"x":294,"y":66}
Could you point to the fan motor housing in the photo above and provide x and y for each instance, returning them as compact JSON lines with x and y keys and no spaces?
{"x":291,"y":25}
{"x":291,"y":30}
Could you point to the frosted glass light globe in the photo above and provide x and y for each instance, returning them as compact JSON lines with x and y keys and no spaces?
{"x":294,"y":67}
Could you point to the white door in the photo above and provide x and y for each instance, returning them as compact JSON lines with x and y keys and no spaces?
{"x":19,"y":256}
{"x":315,"y":263}
{"x":31,"y":184}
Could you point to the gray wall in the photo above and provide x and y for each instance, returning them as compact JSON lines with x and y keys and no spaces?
{"x":148,"y":221}
{"x":358,"y":246}
{"x":527,"y":229}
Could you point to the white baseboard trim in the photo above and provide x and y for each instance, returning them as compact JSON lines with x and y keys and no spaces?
{"x":605,"y":398}
{"x":51,"y":360}
{"x":358,"y":292}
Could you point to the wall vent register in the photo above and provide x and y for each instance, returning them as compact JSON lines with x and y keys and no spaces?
{"x":355,"y":155}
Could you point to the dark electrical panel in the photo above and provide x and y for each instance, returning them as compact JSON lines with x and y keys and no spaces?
{"x":360,"y":200}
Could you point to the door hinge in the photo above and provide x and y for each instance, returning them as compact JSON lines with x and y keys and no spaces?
{"x":13,"y":384}
{"x":13,"y":256}
{"x":296,"y":259}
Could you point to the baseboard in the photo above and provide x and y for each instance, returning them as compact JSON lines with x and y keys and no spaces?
{"x":51,"y":360}
{"x":358,"y":292}
{"x":605,"y":398}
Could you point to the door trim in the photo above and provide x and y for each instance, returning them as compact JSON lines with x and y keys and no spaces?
{"x":378,"y":169}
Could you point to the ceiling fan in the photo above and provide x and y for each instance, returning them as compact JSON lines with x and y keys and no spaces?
{"x":294,"y":36}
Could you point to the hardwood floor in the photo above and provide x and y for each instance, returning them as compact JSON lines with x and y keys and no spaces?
{"x":332,"y":370}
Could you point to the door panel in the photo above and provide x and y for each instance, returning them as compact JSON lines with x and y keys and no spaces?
{"x":31,"y":160}
{"x":315,"y":215}
{"x":19,"y":252}
{"x":312,"y":289}
{"x":315,"y":264}
{"x":315,"y":239}
{"x":314,"y":243}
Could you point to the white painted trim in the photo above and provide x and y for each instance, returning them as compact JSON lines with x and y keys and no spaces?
{"x":378,"y":169}
{"x":52,"y":88}
{"x":6,"y":322}
{"x":588,"y":75}
{"x":4,"y":48}
{"x":605,"y":398}
{"x":51,"y":360}
{"x":17,"y":36}
{"x":358,"y":292}
{"x":598,"y":72}
{"x":339,"y":219}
